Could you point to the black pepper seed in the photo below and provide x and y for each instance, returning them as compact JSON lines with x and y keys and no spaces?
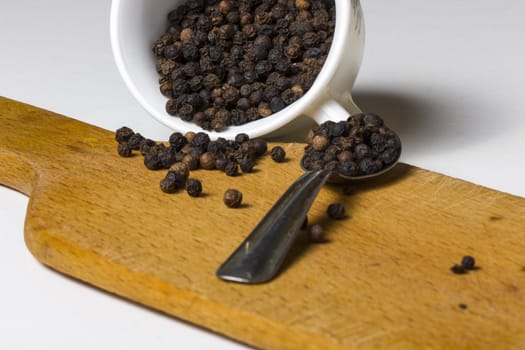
{"x":278,"y":154}
{"x":463,"y":306}
{"x":124,"y":149}
{"x":316,"y":234}
{"x":260,"y":147}
{"x":336,"y":211}
{"x":180,"y":169}
{"x":152,"y":161}
{"x":193,"y":187}
{"x":171,"y":183}
{"x":247,"y":165}
{"x":207,"y":161}
{"x":468,"y":262}
{"x":123,"y":134}
{"x":231,"y":169}
{"x":232,"y":198}
{"x":135,"y":140}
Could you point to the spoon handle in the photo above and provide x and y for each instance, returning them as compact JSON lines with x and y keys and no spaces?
{"x":262,"y":253}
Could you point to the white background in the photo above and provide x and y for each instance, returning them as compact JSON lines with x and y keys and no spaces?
{"x":448,"y":75}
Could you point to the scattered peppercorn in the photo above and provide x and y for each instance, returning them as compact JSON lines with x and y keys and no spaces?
{"x":468,"y":262}
{"x":232,"y":198}
{"x":336,"y":211}
{"x":278,"y":154}
{"x":231,"y":168}
{"x":316,"y":234}
{"x":463,"y":306}
{"x":193,"y":187}
{"x":123,"y":134}
{"x":124,"y":150}
{"x":171,"y":182}
{"x":214,"y":52}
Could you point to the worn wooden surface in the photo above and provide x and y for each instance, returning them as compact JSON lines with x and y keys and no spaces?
{"x":382,"y":281}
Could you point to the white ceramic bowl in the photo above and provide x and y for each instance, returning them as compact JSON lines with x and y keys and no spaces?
{"x":136,"y":24}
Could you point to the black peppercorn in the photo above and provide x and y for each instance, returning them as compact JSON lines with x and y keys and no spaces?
{"x":135,"y":140}
{"x":171,"y":182}
{"x":316,"y":234}
{"x":221,"y":161}
{"x":124,"y":149}
{"x":468,"y":262}
{"x":192,"y":159}
{"x":260,"y":146}
{"x":180,"y":169}
{"x":263,"y":68}
{"x":207,"y":161}
{"x":146,"y":145}
{"x":231,"y":168}
{"x":193,"y":187}
{"x":232,"y":198}
{"x":152,"y":161}
{"x":247,"y":165}
{"x":278,"y":154}
{"x":190,"y":52}
{"x":320,"y":142}
{"x":264,"y":109}
{"x":336,"y":211}
{"x":123,"y":134}
{"x":241,"y":137}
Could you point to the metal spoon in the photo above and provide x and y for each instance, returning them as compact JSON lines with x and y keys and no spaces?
{"x":259,"y":258}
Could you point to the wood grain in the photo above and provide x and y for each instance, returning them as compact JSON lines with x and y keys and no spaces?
{"x":382,"y":281}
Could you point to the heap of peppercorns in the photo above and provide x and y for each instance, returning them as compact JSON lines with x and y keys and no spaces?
{"x":361,"y":145}
{"x":184,"y":153}
{"x":230,"y":62}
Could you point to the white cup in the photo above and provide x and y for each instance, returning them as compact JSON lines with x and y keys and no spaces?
{"x":136,"y":24}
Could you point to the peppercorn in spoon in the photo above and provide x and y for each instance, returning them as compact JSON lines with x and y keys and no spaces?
{"x":359,"y":148}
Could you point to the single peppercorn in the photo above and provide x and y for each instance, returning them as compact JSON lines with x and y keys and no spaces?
{"x":180,"y":168}
{"x":124,"y":149}
{"x":193,"y":187}
{"x":207,"y":161}
{"x":320,"y":142}
{"x":231,"y":168}
{"x":123,"y":134}
{"x":232,"y":198}
{"x":278,"y":154}
{"x":152,"y":161}
{"x":135,"y":140}
{"x":171,"y":183}
{"x":468,"y":262}
{"x":247,"y":165}
{"x":336,"y":211}
{"x":260,"y":146}
{"x":192,"y":159}
{"x":316,"y":234}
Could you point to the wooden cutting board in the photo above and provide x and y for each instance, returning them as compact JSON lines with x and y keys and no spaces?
{"x":382,"y":281}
